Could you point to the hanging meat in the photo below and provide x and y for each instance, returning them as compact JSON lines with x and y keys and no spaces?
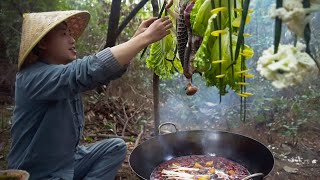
{"x":187,"y":43}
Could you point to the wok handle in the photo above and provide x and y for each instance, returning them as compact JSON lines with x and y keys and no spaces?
{"x":253,"y":175}
{"x":167,"y":123}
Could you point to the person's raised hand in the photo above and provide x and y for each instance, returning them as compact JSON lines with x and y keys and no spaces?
{"x":158,"y":30}
{"x":144,"y":25}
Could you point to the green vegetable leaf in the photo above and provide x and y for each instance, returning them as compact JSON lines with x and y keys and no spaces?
{"x":161,"y":56}
{"x":202,"y":59}
{"x":195,"y":11}
{"x":201,"y":19}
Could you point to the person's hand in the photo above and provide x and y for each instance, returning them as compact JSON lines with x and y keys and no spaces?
{"x":144,"y":25}
{"x":169,"y":4}
{"x":158,"y":30}
{"x":154,"y":32}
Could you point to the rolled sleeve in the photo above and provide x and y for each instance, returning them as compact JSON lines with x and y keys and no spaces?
{"x":110,"y":62}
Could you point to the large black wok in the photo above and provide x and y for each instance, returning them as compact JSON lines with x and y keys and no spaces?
{"x":246,"y":151}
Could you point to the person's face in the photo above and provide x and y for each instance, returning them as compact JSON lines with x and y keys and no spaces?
{"x":59,"y":45}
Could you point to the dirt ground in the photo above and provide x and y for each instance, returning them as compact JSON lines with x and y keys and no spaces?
{"x":292,"y":161}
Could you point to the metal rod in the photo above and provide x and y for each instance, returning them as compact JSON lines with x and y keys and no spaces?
{"x":307,"y":34}
{"x":241,"y":30}
{"x":278,"y":28}
{"x":220,"y":52}
{"x":230,"y":40}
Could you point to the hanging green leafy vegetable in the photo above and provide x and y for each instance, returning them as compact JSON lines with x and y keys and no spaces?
{"x":161,"y":56}
{"x":208,"y":42}
{"x":201,"y":19}
{"x":202,"y":59}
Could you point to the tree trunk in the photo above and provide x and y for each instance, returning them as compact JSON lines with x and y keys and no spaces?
{"x":155,"y":7}
{"x":131,"y":16}
{"x":113,"y":23}
{"x":113,"y":29}
{"x":156,"y":104}
{"x":156,"y":80}
{"x":3,"y":48}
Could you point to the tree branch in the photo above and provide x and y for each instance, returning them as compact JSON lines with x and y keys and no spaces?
{"x":142,"y":128}
{"x":108,"y":136}
{"x":113,"y":23}
{"x":155,"y":7}
{"x":132,"y":14}
{"x":129,"y":118}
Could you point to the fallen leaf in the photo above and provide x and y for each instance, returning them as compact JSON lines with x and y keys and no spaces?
{"x":286,"y":149}
{"x":290,"y":169}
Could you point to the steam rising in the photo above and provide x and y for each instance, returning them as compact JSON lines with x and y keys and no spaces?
{"x":204,"y":110}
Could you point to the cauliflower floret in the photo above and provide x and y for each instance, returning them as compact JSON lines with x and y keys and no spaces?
{"x":294,"y":15}
{"x":288,"y":67}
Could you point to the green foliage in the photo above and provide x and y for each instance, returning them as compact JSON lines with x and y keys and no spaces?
{"x":203,"y":56}
{"x":111,"y":126}
{"x":11,"y":22}
{"x":162,"y":58}
{"x":196,"y":8}
{"x":268,"y":108}
{"x":92,"y":40}
{"x":215,"y":48}
{"x":201,"y":14}
{"x":89,"y":139}
{"x":292,"y":128}
{"x":161,"y":54}
{"x":200,"y":23}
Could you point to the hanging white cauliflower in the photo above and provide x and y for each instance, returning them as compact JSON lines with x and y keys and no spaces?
{"x":290,"y":66}
{"x":294,"y":15}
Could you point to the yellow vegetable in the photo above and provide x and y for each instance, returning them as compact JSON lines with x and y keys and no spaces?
{"x":217,"y":10}
{"x":197,"y":165}
{"x":248,"y":94}
{"x":176,"y":164}
{"x":249,"y":76}
{"x":220,"y":76}
{"x":245,"y":94}
{"x":218,"y":61}
{"x":212,"y":170}
{"x":246,"y":35}
{"x":206,"y":177}
{"x":236,"y":22}
{"x":209,"y":163}
{"x":241,"y":72}
{"x":217,"y":32}
{"x":247,"y":53}
{"x":231,"y":172}
{"x":240,"y":10}
{"x":243,"y":83}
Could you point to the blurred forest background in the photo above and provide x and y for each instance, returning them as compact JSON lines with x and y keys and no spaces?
{"x":287,"y":121}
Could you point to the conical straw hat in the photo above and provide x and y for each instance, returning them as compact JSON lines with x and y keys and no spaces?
{"x":36,"y":25}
